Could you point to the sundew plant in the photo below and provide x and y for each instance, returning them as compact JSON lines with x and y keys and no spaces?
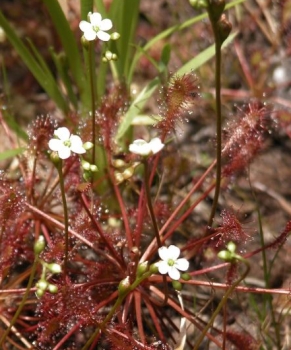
{"x":116,"y":227}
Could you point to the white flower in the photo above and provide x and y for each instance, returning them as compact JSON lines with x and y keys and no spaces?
{"x":170,"y":263}
{"x":65,"y":143}
{"x":144,"y":148}
{"x":96,"y":27}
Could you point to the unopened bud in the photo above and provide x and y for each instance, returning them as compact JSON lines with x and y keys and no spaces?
{"x":42,"y":284}
{"x":54,"y":268}
{"x":215,"y":9}
{"x":115,"y":36}
{"x":177,"y":285}
{"x":52,"y":288}
{"x":224,"y":27}
{"x":198,"y":4}
{"x":142,"y":268}
{"x":85,"y":165}
{"x":39,"y":245}
{"x":124,"y":286}
{"x":88,"y":145}
{"x":185,"y":276}
{"x":39,"y":293}
{"x":128,"y":173}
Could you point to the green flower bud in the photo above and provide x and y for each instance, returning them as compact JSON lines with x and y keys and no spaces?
{"x":128,"y":173}
{"x":231,"y":247}
{"x":42,"y":284}
{"x":115,"y":36}
{"x":54,"y":156}
{"x":52,"y":288}
{"x":85,"y":43}
{"x":54,"y":268}
{"x":198,"y":4}
{"x":142,"y":268}
{"x":39,"y":245}
{"x":93,"y":168}
{"x":154,"y":268}
{"x":39,"y":293}
{"x":124,"y":286}
{"x":225,"y":255}
{"x":177,"y":285}
{"x":185,"y":276}
{"x":85,"y":165}
{"x":88,"y":145}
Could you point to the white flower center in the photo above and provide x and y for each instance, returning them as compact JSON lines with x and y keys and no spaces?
{"x":96,"y":28}
{"x":68,"y":143}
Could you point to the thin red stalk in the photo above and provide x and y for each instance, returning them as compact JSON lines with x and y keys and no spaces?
{"x":140,"y":217}
{"x":184,"y":313}
{"x":183,"y":202}
{"x":155,"y":319}
{"x":150,"y":251}
{"x":100,"y":231}
{"x":122,"y":207}
{"x":126,"y":307}
{"x":138,"y":312}
{"x":243,"y":289}
{"x":67,"y":336}
{"x":244,"y":64}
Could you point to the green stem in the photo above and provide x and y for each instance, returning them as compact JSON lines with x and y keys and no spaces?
{"x":93,"y":97}
{"x":66,"y":216}
{"x":118,"y":302}
{"x":218,"y":119}
{"x":23,"y":301}
{"x":221,"y":304}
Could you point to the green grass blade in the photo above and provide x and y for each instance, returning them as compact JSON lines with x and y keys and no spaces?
{"x":203,"y":57}
{"x":124,"y":14}
{"x":68,"y":42}
{"x":11,"y":153}
{"x":136,"y":107}
{"x":170,"y":31}
{"x":33,"y":65}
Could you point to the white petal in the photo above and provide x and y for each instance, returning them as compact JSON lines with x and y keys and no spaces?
{"x":174,"y":273}
{"x":173,"y":252}
{"x":77,"y":144}
{"x":140,"y":147}
{"x":62,"y":133}
{"x":182,"y":264}
{"x":103,"y":36}
{"x":163,"y":267}
{"x":85,"y":26}
{"x":95,"y":19}
{"x":106,"y":24}
{"x":156,"y":145}
{"x":64,"y":152}
{"x":164,"y":254}
{"x":90,"y":35}
{"x":55,"y":144}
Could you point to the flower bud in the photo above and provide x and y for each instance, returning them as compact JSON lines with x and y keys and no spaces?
{"x":42,"y":284}
{"x":177,"y":285}
{"x":88,"y":145}
{"x":224,"y":28}
{"x":198,"y":4}
{"x":54,"y":268}
{"x":85,"y":165}
{"x":185,"y":276}
{"x":39,"y":245}
{"x":124,"y":286}
{"x":115,"y":36}
{"x":52,"y":288}
{"x":39,"y":293}
{"x":85,"y":43}
{"x":54,"y":156}
{"x":215,"y":9}
{"x":142,"y":268}
{"x":225,"y":255}
{"x":93,"y":168}
{"x":128,"y":173}
{"x":154,"y":268}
